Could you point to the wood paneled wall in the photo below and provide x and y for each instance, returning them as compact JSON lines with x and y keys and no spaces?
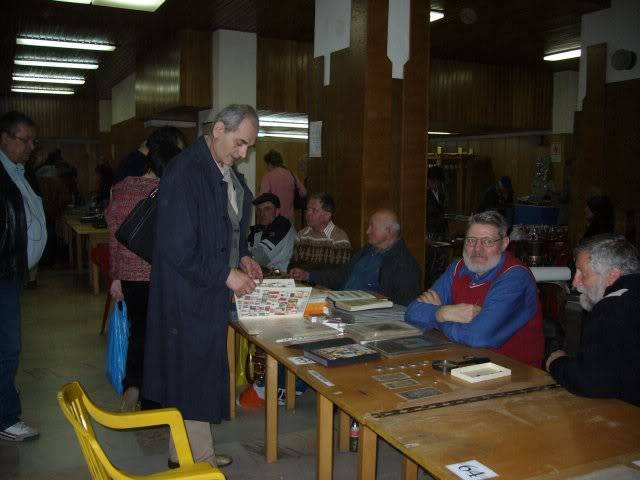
{"x":175,"y":73}
{"x":472,"y":97}
{"x":283,"y":70}
{"x":57,"y":116}
{"x":512,"y":156}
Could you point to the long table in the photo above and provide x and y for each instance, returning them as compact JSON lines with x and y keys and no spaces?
{"x":521,"y":427}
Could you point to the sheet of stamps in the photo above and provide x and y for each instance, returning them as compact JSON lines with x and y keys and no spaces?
{"x":269,"y":301}
{"x":407,"y":382}
{"x":419,"y":393}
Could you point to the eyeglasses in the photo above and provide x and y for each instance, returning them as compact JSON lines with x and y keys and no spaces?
{"x":26,"y":141}
{"x":485,"y":242}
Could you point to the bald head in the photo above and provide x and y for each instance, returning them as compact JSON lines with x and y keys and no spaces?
{"x":384,"y":229}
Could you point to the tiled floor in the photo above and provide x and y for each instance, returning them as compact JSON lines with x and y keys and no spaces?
{"x":61,"y":343}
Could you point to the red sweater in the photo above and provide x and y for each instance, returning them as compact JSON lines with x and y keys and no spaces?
{"x":124,"y":264}
{"x":527,"y":344}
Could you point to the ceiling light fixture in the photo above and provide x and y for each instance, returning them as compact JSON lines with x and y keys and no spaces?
{"x":144,"y":5}
{"x":435,"y":15}
{"x":302,"y":136}
{"x":53,"y":91}
{"x":554,"y":57}
{"x":75,"y":44}
{"x":439,"y":133}
{"x":55,"y":64}
{"x":275,"y":123}
{"x":42,"y":79}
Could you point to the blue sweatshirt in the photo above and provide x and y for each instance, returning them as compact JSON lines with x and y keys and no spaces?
{"x":510,"y":303}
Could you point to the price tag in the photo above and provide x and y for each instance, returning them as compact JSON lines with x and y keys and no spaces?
{"x":322,"y":378}
{"x":472,"y":469}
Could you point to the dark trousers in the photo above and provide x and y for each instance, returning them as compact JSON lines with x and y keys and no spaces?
{"x":9,"y":350}
{"x":136,"y":296}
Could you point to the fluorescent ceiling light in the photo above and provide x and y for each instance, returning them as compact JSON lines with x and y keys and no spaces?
{"x":283,"y":124}
{"x":302,"y":136}
{"x":42,"y":79}
{"x":144,"y":5}
{"x":78,"y":45}
{"x":54,"y":91}
{"x":439,"y":133}
{"x":554,"y":57}
{"x":55,"y":64}
{"x":435,"y":15}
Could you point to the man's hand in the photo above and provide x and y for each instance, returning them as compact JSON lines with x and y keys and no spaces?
{"x":116,"y":290}
{"x":431,"y":297}
{"x":249,"y":266}
{"x":240,"y":282}
{"x":460,"y":313}
{"x":555,"y":355}
{"x":299,"y":274}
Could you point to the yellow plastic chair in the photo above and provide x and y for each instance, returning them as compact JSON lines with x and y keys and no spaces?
{"x":80,"y":411}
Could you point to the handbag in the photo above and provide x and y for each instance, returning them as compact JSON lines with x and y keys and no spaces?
{"x":299,"y":201}
{"x":138,"y":229}
{"x":117,"y":346}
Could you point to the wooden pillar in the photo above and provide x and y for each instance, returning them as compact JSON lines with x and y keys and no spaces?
{"x":589,"y":168}
{"x":374,"y":129}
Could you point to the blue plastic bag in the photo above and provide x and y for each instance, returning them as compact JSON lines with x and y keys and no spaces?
{"x":117,"y":345}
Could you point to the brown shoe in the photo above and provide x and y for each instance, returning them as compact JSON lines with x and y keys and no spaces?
{"x":221,"y":461}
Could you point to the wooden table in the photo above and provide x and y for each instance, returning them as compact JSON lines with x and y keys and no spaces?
{"x":95,"y":236}
{"x":540,"y":434}
{"x":68,"y":222}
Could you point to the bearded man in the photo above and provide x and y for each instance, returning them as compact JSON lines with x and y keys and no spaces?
{"x":489,"y":299}
{"x":608,"y":279}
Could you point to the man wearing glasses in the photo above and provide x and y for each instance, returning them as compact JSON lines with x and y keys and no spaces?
{"x":488,"y":299}
{"x":23,"y":235}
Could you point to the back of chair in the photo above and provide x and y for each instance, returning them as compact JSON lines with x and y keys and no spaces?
{"x":72,"y":400}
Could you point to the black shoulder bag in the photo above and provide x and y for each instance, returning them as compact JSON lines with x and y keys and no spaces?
{"x":299,"y":201}
{"x":138,"y":229}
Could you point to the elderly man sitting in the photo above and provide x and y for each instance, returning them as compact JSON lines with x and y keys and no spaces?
{"x":385,"y":265}
{"x":608,"y":278}
{"x":488,"y":299}
{"x":271,"y":239}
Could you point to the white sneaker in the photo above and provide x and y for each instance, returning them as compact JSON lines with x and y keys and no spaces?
{"x":18,"y":432}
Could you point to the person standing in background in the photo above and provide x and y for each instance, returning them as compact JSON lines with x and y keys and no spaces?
{"x":23,"y":235}
{"x":130,"y":273}
{"x":281,"y":181}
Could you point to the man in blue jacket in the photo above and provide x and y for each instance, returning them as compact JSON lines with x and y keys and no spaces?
{"x":200,"y":257}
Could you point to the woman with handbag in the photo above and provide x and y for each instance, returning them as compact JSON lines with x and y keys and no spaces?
{"x":281,"y":181}
{"x":130,"y":273}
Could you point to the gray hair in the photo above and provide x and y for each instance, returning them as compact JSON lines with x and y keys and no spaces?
{"x":607,"y":251}
{"x":490,"y":217}
{"x":233,"y":115}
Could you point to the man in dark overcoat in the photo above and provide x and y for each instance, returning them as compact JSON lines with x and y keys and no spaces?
{"x":200,"y":257}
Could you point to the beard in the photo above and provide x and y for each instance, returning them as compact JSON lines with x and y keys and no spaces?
{"x":589,"y":296}
{"x":478,"y":268}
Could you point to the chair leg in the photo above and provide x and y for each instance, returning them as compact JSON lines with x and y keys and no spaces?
{"x":105,"y":313}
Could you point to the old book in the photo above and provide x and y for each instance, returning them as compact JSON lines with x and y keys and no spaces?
{"x":363,"y":304}
{"x":372,"y":331}
{"x":340,"y":351}
{"x":393,"y":314}
{"x":409,"y":345}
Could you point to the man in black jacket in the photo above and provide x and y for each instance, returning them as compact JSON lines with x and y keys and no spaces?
{"x":385,"y":265}
{"x":22,"y":239}
{"x":608,"y":278}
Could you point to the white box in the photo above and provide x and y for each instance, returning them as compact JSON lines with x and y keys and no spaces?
{"x":480,"y":372}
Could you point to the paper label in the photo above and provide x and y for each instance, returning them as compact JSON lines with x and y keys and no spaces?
{"x":318,"y":376}
{"x":472,"y":469}
{"x":300,"y":360}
